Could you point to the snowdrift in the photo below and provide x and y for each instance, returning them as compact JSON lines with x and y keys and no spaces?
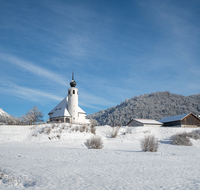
{"x":55,"y":157}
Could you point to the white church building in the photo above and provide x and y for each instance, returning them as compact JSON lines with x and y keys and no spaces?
{"x":67,"y":110}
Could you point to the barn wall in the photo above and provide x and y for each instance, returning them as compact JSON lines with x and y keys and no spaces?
{"x":151,"y":125}
{"x":190,"y":120}
{"x":135,"y":123}
{"x":191,"y":126}
{"x":173,"y":124}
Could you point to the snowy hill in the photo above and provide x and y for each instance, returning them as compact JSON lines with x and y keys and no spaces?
{"x":55,"y":157}
{"x":3,"y":115}
{"x":148,"y":106}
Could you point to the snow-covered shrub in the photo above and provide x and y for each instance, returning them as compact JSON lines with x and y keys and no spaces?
{"x":181,"y":139}
{"x":58,"y":136}
{"x":149,"y":144}
{"x":93,"y":130}
{"x":48,"y":131}
{"x":194,"y":134}
{"x":128,"y":130}
{"x":83,"y":128}
{"x":93,"y":122}
{"x":6,"y":178}
{"x":63,"y":126}
{"x":53,"y":125}
{"x":76,"y":128}
{"x":94,"y":142}
{"x":114,"y":132}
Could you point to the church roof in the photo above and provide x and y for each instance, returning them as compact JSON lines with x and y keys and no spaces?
{"x":61,"y":109}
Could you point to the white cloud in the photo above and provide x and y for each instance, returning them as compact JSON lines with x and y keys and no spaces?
{"x":36,"y":70}
{"x":26,"y":93}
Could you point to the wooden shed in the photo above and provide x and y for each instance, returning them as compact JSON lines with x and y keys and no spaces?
{"x":184,"y":120}
{"x":144,"y":122}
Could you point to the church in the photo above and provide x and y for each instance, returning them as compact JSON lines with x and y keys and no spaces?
{"x":67,"y":110}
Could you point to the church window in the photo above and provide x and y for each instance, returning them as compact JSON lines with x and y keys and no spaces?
{"x":69,"y":92}
{"x":73,"y":91}
{"x":59,"y":108}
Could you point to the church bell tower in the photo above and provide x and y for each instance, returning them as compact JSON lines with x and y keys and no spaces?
{"x":73,"y":101}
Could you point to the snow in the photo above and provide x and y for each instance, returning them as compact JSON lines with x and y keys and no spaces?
{"x":173,"y":118}
{"x":3,"y":113}
{"x":66,"y":163}
{"x":148,"y":121}
{"x":61,"y":109}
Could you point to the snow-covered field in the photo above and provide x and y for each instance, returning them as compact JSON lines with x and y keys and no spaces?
{"x":34,"y":161}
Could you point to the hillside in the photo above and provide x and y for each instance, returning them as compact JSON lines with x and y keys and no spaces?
{"x":148,"y":106}
{"x":3,"y":116}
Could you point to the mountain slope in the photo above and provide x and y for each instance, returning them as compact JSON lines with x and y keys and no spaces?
{"x":148,"y":106}
{"x":3,"y":116}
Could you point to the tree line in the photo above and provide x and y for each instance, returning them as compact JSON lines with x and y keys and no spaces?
{"x":32,"y":116}
{"x":148,"y":106}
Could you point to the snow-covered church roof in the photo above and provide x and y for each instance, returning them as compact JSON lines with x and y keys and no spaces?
{"x":61,"y":109}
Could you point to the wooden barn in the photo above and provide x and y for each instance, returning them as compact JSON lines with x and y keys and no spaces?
{"x":143,"y":122}
{"x":184,"y":120}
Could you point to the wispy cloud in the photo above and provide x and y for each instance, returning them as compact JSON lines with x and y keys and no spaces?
{"x":32,"y":68}
{"x":26,"y":93}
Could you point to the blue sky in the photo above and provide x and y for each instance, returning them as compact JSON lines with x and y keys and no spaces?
{"x":117,"y":49}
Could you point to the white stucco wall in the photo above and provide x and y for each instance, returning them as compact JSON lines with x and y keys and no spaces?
{"x":81,"y":117}
{"x":73,"y":104}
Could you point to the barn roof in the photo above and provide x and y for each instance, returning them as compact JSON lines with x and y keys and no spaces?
{"x":148,"y":121}
{"x":173,"y":118}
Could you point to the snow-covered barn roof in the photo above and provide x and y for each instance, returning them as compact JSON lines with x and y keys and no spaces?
{"x":173,"y":118}
{"x":61,"y":109}
{"x":148,"y":121}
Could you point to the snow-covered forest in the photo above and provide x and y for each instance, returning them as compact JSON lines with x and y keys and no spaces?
{"x":148,"y":106}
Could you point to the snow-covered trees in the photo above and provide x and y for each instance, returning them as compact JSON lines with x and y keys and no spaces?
{"x":32,"y":116}
{"x":149,"y":106}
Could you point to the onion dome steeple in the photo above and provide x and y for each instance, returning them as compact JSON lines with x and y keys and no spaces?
{"x":73,"y":82}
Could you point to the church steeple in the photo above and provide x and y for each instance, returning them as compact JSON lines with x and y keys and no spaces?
{"x":73,"y":82}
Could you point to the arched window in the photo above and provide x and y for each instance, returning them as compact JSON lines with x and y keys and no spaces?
{"x":73,"y":91}
{"x":69,"y":92}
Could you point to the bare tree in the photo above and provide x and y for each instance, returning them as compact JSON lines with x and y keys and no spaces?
{"x":93,"y":122}
{"x":34,"y":115}
{"x":37,"y":115}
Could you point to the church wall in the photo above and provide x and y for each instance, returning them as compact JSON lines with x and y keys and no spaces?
{"x":73,"y":103}
{"x":81,"y":117}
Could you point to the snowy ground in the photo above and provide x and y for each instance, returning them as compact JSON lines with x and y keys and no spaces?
{"x":66,"y":163}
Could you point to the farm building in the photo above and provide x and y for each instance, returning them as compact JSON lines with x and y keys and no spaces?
{"x":184,"y":120}
{"x":144,"y":122}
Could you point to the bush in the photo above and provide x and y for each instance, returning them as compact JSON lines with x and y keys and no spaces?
{"x":194,"y":134}
{"x":181,"y":139}
{"x":93,"y":130}
{"x":128,"y":130}
{"x":82,"y":128}
{"x":114,"y":132}
{"x":149,"y":143}
{"x":76,"y":128}
{"x":93,"y":122}
{"x":94,"y":142}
